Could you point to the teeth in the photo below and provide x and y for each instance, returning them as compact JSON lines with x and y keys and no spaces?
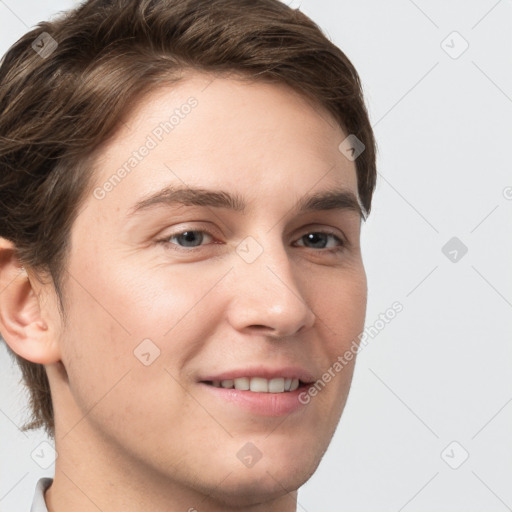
{"x":242,"y":383}
{"x":259,"y":384}
{"x":276,"y":385}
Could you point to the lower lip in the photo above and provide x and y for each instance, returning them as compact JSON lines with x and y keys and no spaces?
{"x":265,"y":404}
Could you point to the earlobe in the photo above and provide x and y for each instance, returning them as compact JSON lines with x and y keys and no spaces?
{"x":22,"y":321}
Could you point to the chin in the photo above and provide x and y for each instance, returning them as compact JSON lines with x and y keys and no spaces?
{"x":254,"y":486}
{"x":268,"y":479}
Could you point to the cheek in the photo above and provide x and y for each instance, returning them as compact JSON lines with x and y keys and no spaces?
{"x":341,"y":310}
{"x":119,"y":314}
{"x":340,"y":306}
{"x":158,"y":299}
{"x":118,"y":377}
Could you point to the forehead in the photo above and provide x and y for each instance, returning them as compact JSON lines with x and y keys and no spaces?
{"x":256,"y":138}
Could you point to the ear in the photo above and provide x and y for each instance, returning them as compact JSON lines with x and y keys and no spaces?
{"x":24,"y":325}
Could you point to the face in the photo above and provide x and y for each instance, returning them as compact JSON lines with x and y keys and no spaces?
{"x":173,"y":295}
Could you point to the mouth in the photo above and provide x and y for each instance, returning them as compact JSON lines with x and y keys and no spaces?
{"x":260,"y":392}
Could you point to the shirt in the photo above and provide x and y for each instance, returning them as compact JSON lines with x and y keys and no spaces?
{"x":38,"y":504}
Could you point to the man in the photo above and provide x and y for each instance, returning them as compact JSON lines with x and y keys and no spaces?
{"x":182,"y":188}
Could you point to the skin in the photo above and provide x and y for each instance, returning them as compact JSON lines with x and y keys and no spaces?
{"x":132,"y":437}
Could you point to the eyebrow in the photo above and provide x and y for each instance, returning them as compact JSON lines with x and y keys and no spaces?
{"x":334,"y":199}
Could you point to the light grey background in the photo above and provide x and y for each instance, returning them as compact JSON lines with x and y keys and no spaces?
{"x":441,"y":370}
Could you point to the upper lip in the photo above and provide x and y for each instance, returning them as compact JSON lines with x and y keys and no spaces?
{"x":288,"y":372}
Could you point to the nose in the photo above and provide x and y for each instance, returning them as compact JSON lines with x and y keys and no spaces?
{"x":267,"y":298}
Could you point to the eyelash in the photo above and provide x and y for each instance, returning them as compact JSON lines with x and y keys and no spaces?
{"x":175,"y":247}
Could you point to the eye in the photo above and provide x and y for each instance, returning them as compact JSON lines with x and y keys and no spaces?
{"x":190,"y":238}
{"x":320,"y":240}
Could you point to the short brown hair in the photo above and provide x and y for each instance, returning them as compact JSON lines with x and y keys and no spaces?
{"x":58,"y":108}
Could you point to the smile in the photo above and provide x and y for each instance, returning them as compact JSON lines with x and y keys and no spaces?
{"x":258,"y":384}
